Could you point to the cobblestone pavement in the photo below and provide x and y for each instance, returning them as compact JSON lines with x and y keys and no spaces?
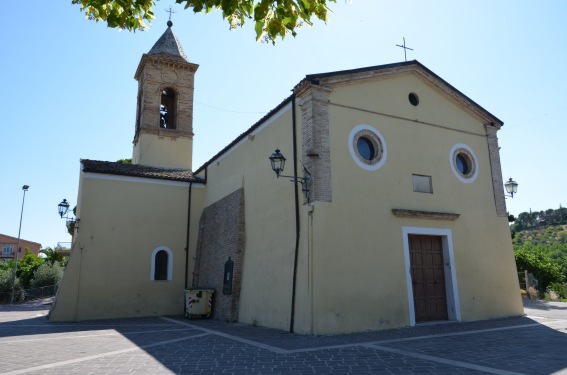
{"x":534,"y":344}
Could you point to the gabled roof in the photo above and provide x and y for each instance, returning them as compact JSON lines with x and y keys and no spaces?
{"x":169,"y":44}
{"x":378,"y":70}
{"x":137,"y":170}
{"x":395,"y":68}
{"x":4,"y":237}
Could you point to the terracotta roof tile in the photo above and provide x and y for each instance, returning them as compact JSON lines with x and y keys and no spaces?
{"x":137,"y":170}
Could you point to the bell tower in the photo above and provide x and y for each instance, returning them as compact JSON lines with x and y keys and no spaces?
{"x":164,"y":117}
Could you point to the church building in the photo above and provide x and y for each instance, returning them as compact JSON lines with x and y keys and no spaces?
{"x":368,"y":199}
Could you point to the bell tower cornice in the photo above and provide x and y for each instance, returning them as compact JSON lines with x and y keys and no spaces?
{"x":165,"y":61}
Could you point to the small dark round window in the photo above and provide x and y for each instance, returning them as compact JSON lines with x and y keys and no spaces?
{"x":365,"y":148}
{"x":463,"y":164}
{"x":413,"y":99}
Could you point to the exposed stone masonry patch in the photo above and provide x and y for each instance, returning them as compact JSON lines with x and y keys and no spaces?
{"x":316,"y":154}
{"x":496,"y":170}
{"x":221,"y":235}
{"x":151,"y":83}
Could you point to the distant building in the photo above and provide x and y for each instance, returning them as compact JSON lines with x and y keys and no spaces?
{"x":8,"y":246}
{"x":64,"y":248}
{"x":405,"y":219}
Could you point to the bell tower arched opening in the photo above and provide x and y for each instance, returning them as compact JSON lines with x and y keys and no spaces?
{"x":167,"y":109}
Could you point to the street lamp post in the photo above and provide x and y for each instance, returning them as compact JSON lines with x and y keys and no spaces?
{"x":24,"y":188}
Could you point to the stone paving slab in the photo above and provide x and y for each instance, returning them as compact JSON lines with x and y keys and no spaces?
{"x":536,"y":344}
{"x":534,"y":350}
{"x":286,"y":340}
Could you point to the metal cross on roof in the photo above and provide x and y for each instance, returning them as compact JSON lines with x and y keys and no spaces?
{"x":170,"y":11}
{"x":405,"y":48}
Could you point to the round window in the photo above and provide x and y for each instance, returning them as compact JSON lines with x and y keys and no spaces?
{"x":413,"y":99}
{"x":463,"y":163}
{"x":367,"y":147}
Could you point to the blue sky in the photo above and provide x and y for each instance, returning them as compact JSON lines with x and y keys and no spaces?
{"x":69,"y":92}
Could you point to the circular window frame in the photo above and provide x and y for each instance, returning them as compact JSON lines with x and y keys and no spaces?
{"x":375,"y":137}
{"x":467,"y":153}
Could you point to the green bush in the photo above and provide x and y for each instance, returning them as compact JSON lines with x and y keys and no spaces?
{"x":540,"y":263}
{"x":27,"y":265}
{"x":47,"y":274}
{"x":6,"y":283}
{"x":559,"y":288}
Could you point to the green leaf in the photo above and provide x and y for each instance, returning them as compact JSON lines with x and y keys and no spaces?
{"x":273,"y":18}
{"x":259,"y":27}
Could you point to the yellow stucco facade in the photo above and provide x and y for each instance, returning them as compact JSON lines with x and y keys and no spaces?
{"x":394,"y":154}
{"x":150,"y":150}
{"x":353,"y":267}
{"x":121,"y":224}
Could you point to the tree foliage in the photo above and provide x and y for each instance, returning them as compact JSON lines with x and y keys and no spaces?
{"x":6,"y":283}
{"x":26,"y":268}
{"x":540,"y":219}
{"x":47,"y":274}
{"x":52,"y":255}
{"x":537,"y":260}
{"x":272,"y":18}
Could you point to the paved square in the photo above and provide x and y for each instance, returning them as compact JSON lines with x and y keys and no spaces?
{"x":535,"y":344}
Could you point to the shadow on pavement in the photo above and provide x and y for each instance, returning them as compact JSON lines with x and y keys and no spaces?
{"x":544,"y":305}
{"x":519,"y":344}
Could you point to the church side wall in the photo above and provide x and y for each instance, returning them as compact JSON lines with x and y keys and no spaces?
{"x":359,"y":270}
{"x":267,"y":269}
{"x":122,"y":223}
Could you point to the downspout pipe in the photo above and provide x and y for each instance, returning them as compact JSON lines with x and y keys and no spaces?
{"x":187,"y":243}
{"x":297,"y":226}
{"x":188,"y":235}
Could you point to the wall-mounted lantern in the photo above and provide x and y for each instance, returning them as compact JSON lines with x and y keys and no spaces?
{"x":278,"y":162}
{"x":63,"y":209}
{"x":511,"y":187}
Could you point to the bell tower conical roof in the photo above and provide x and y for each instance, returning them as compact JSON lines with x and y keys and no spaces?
{"x":168,"y":44}
{"x":167,"y":47}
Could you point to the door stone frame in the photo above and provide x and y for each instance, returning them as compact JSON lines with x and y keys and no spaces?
{"x":451,"y":289}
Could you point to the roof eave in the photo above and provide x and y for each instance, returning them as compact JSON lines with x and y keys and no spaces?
{"x":86,"y":169}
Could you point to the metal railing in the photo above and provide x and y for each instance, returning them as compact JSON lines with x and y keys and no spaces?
{"x":38,"y":293}
{"x":29,"y":294}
